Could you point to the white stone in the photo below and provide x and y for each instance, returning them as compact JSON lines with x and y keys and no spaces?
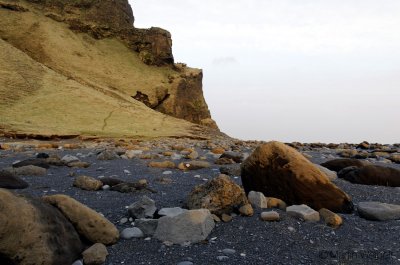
{"x":304,"y":212}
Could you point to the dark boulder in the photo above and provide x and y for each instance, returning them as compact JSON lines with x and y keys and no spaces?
{"x":372,"y":175}
{"x":339,"y":164}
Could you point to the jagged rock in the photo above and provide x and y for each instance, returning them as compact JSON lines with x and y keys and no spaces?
{"x":88,"y":223}
{"x":95,"y":255}
{"x":303,"y":212}
{"x":378,"y":211}
{"x":191,"y":226}
{"x":107,"y":155}
{"x":148,"y":226}
{"x":164,"y":164}
{"x":219,"y":195}
{"x":51,"y":238}
{"x":278,"y":170}
{"x":372,"y":175}
{"x":330,"y":218}
{"x":193,"y":165}
{"x":339,"y":164}
{"x":171,"y":212}
{"x":88,"y":183}
{"x":257,"y":199}
{"x":144,"y":208}
{"x":8,"y":180}
{"x":270,"y":216}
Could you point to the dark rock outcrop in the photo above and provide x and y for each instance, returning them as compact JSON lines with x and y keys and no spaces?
{"x":8,"y":180}
{"x":279,"y":171}
{"x":372,"y":175}
{"x":339,"y":164}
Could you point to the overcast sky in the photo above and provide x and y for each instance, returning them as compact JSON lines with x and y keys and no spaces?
{"x":290,"y":70}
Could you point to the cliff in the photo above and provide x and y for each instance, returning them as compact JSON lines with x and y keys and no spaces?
{"x":82,"y":67}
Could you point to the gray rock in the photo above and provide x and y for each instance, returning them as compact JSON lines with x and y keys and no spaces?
{"x":379,"y":211}
{"x":133,"y":232}
{"x":185,"y":263}
{"x":228,"y":251}
{"x":123,"y":220}
{"x":148,"y":226}
{"x":107,"y":155}
{"x":95,"y":255}
{"x":257,"y":199}
{"x":304,"y":212}
{"x":222,"y":258}
{"x":69,"y":158}
{"x":145,"y":208}
{"x":332,"y":175}
{"x":171,"y":212}
{"x":191,"y":226}
{"x":78,"y":262}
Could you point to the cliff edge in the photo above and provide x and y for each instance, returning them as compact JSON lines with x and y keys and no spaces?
{"x":81,"y":67}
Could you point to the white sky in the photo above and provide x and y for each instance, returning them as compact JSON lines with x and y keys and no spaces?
{"x":291,"y":70}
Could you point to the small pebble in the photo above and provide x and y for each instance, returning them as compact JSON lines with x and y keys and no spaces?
{"x":222,"y":258}
{"x":229,"y":251}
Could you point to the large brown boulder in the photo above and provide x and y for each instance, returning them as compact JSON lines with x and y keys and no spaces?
{"x":33,"y":232}
{"x":341,"y":163}
{"x":219,"y":195}
{"x":372,"y":175}
{"x":88,"y":223}
{"x":279,"y":171}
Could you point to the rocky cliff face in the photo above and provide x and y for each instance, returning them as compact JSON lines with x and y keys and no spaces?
{"x":102,"y":50}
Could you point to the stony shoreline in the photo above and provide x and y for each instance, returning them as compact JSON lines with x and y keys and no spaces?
{"x":243,"y":240}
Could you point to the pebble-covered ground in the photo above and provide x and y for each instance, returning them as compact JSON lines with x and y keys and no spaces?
{"x":244,"y":240}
